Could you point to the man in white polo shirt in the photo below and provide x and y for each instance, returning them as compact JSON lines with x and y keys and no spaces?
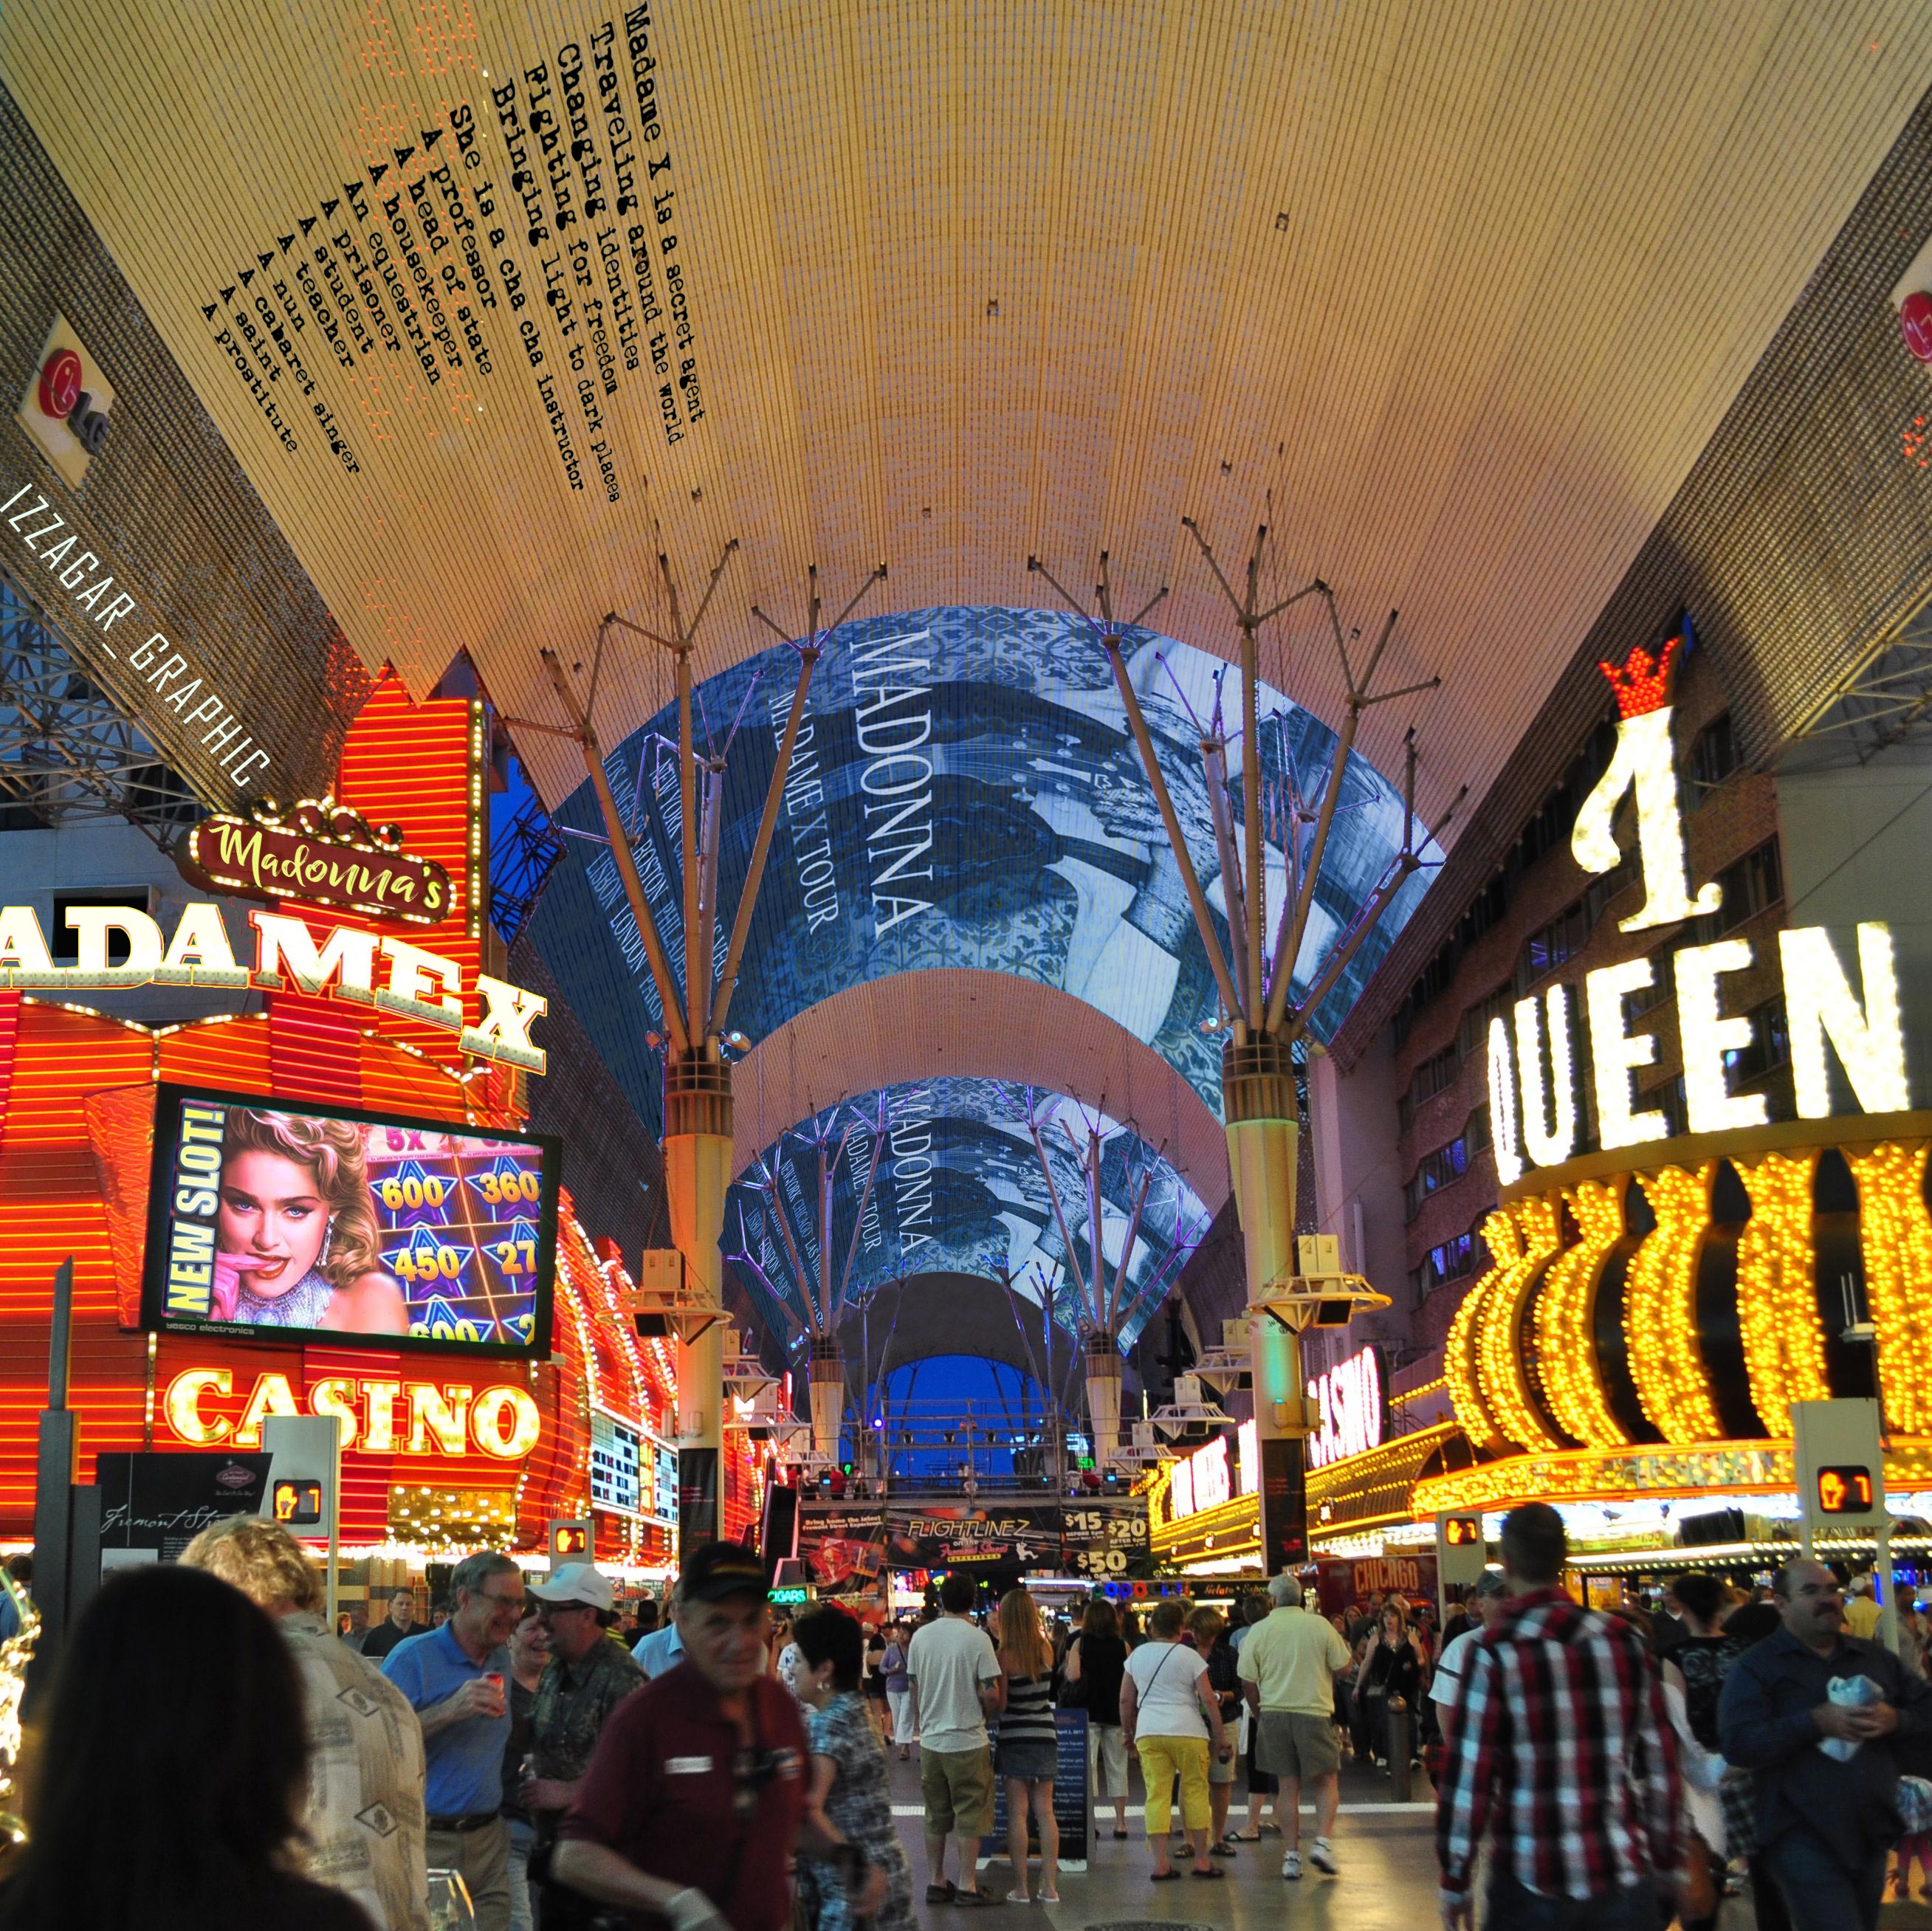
{"x":1287,"y":1668}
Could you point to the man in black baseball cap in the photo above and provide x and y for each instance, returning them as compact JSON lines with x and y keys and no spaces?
{"x":698,"y":1790}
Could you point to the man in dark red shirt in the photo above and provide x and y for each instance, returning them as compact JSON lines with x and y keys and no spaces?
{"x":699,"y":1788}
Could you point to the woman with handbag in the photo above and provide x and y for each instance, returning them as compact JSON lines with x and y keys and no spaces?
{"x":1390,"y":1677}
{"x":1090,"y":1680}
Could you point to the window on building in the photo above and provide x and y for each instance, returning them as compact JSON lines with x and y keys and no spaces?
{"x":1754,"y":884}
{"x":1435,"y":1073}
{"x":1714,"y":754}
{"x":1451,"y":1261}
{"x":1556,"y":945}
{"x":1477,"y":1133}
{"x":1769,"y":1052}
{"x":1472,"y":1034}
{"x":1434,"y":1171}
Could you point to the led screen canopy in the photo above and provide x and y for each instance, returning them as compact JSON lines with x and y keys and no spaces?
{"x":964,"y":794}
{"x":959,"y":1191}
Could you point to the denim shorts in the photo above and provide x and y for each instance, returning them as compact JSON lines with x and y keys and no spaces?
{"x":1034,"y":1761}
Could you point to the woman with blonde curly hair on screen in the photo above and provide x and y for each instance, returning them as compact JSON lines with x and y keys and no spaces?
{"x":297,"y":1244}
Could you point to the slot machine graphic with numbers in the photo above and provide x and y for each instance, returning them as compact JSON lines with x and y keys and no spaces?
{"x":460,"y":1221}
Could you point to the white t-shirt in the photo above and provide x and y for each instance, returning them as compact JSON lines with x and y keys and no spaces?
{"x":1451,"y":1666}
{"x":1165,"y":1704}
{"x":948,"y":1660}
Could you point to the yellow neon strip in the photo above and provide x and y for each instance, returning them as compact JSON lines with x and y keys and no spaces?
{"x":1501,"y":1372}
{"x":1778,"y":1301}
{"x":1566,"y":1342}
{"x":1615,"y":1475}
{"x":1458,"y":1355}
{"x":1660,"y":1307}
{"x":1897,"y":1239}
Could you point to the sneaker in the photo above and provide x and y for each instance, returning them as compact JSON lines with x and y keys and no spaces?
{"x":1290,"y":1865}
{"x":1321,"y":1855}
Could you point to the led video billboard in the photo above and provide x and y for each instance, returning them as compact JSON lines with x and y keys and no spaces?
{"x":280,"y":1221}
{"x":964,"y":792}
{"x":959,"y":1190}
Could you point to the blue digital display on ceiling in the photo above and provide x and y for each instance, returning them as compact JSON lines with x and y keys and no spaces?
{"x":965,"y":793}
{"x":958,"y":1189}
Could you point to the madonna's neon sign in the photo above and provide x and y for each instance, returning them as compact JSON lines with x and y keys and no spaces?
{"x":418,"y":985}
{"x":1532,"y":1102}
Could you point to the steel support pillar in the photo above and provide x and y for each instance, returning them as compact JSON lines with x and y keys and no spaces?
{"x":1264,"y":1142}
{"x":698,"y":1171}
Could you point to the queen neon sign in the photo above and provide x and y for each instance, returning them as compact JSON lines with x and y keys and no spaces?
{"x":1532,"y":1058}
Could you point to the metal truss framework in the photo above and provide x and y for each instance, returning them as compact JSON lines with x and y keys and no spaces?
{"x":67,"y":752}
{"x":1885,"y":698}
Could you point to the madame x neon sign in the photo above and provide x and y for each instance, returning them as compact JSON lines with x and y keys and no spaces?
{"x":1532,"y":1062}
{"x":420,"y":984}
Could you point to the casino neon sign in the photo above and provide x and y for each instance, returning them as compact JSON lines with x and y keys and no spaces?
{"x":378,"y":1416}
{"x":418,"y":985}
{"x":1533,"y":1060}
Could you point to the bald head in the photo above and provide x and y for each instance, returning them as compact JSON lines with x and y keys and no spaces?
{"x":1810,"y":1604}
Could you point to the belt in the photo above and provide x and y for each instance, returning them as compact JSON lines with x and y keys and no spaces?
{"x":476,"y":1820}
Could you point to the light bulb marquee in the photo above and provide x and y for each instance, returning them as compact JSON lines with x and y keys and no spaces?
{"x":1532,"y":1062}
{"x":1572,"y":1386}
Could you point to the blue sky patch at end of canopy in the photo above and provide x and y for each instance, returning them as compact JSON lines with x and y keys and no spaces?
{"x":959,"y":1190}
{"x":965,"y":793}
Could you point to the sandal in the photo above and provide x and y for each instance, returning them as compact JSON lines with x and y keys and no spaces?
{"x":1243,"y":1837}
{"x":1222,"y":1850}
{"x":1121,"y":1835}
{"x":940,"y":1893}
{"x":1210,"y":1872}
{"x":1165,"y":1877}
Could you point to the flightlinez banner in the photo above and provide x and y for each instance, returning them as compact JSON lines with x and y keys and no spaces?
{"x":848,"y":1546}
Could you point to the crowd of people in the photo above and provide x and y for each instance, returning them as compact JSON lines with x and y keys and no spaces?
{"x":1607,"y":1767}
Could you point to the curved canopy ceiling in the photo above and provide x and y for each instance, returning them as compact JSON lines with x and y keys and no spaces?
{"x":1450,"y":292}
{"x":958,"y":1190}
{"x":965,"y":795}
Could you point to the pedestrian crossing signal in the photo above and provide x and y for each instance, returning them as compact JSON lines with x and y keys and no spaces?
{"x":1462,"y":1532}
{"x":569,"y":1542}
{"x":297,"y":1504}
{"x":1845,"y":1490}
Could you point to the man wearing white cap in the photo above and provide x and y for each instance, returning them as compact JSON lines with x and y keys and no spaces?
{"x":588,"y":1675}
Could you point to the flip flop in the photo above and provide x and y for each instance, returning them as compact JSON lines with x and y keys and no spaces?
{"x":1244,"y":1837}
{"x":1210,"y":1872}
{"x":1165,"y":1877}
{"x":1221,"y":1851}
{"x":1121,"y":1835}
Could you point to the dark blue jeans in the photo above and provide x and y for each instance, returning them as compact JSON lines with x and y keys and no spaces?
{"x":1513,"y":1907}
{"x":1821,"y":1893}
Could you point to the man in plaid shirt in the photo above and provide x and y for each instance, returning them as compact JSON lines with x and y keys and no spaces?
{"x":1562,"y":1740}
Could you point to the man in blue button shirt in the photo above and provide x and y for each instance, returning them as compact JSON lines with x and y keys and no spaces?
{"x":663,"y":1649}
{"x":1825,"y":1819}
{"x":453,"y":1677}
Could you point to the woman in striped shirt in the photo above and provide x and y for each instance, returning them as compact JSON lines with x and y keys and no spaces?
{"x":1028,"y":1742}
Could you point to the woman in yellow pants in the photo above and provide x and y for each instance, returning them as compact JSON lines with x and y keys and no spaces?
{"x":1168,"y":1712}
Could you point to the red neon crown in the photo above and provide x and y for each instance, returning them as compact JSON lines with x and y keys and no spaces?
{"x":1643,"y":683}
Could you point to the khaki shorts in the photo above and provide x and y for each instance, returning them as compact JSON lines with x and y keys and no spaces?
{"x":1293,"y":1744}
{"x":957,"y":1787}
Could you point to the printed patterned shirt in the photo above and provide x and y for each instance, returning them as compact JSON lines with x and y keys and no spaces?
{"x":573,"y":1702}
{"x":364,"y":1815}
{"x":1564,"y":1746}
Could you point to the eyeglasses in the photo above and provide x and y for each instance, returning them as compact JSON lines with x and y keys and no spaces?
{"x":507,"y":1601}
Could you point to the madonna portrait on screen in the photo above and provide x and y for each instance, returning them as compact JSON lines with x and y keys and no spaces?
{"x":295,"y":1234}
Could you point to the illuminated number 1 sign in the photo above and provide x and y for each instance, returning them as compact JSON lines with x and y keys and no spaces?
{"x":1846,"y":1490}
